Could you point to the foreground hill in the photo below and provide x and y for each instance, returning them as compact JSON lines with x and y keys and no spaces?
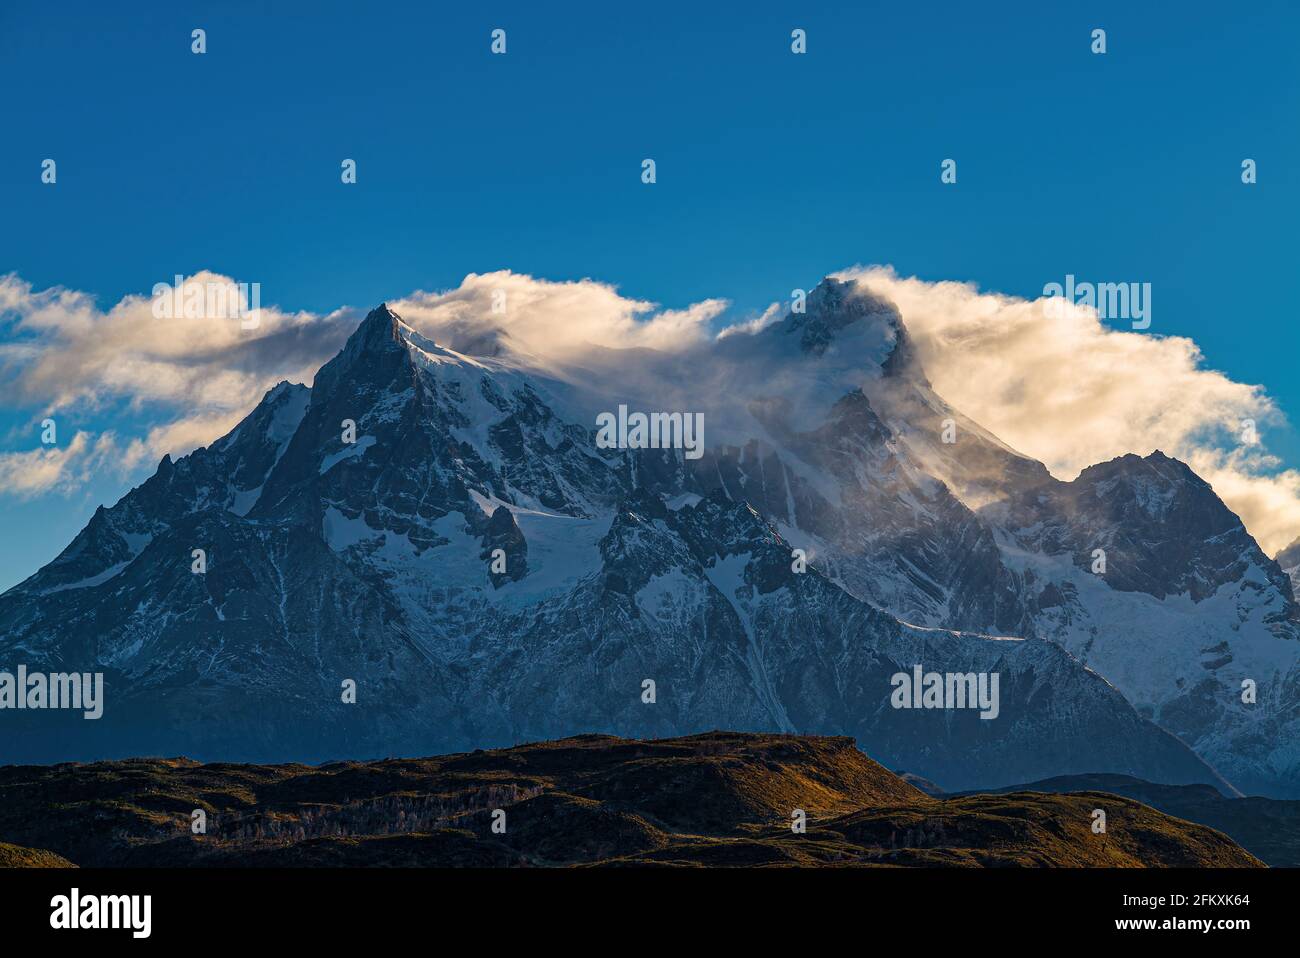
{"x":1268,"y":828}
{"x":15,"y":856}
{"x":721,"y":799}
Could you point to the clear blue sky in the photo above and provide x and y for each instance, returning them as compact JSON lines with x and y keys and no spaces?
{"x":773,"y":169}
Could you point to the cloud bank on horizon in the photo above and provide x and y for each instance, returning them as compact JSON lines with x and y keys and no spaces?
{"x":1057,"y":385}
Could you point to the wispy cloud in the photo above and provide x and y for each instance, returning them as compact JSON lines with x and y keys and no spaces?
{"x":53,"y":468}
{"x":555,"y":322}
{"x":64,"y":352}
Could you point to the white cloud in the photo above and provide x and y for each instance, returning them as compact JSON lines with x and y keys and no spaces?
{"x":53,"y":468}
{"x":65,"y":353}
{"x":554,"y":322}
{"x":773,"y":314}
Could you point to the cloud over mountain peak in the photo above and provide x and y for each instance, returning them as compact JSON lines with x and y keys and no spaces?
{"x":1066,"y":389}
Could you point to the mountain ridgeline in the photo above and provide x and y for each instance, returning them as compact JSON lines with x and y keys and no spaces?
{"x":444,"y":532}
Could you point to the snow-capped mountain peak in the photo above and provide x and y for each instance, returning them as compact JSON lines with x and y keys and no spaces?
{"x":841,"y":316}
{"x":442,"y":528}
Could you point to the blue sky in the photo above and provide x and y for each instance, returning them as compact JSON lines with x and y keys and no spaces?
{"x":773,"y":169}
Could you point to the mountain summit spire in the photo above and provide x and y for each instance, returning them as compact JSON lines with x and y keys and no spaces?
{"x":372,"y":351}
{"x":835,"y":305}
{"x":380,"y":329}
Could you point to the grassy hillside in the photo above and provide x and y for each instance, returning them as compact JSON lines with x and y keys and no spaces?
{"x":1268,"y":828}
{"x":721,"y":798}
{"x":15,"y":856}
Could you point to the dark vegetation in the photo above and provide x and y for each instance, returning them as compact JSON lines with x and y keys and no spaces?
{"x":721,"y":799}
{"x":1268,"y":828}
{"x":15,"y":856}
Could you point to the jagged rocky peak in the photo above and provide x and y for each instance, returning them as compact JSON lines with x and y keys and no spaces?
{"x":382,"y":331}
{"x":273,"y":419}
{"x":1151,"y":486}
{"x":381,"y":327}
{"x":1150,"y":483}
{"x":284,"y":390}
{"x":374,"y":352}
{"x":227,"y":474}
{"x":844,"y":340}
{"x":1164,"y":530}
{"x":1157,"y":464}
{"x":280,"y":389}
{"x":836,"y":310}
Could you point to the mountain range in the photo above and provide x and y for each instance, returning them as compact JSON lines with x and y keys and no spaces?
{"x":438,"y":524}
